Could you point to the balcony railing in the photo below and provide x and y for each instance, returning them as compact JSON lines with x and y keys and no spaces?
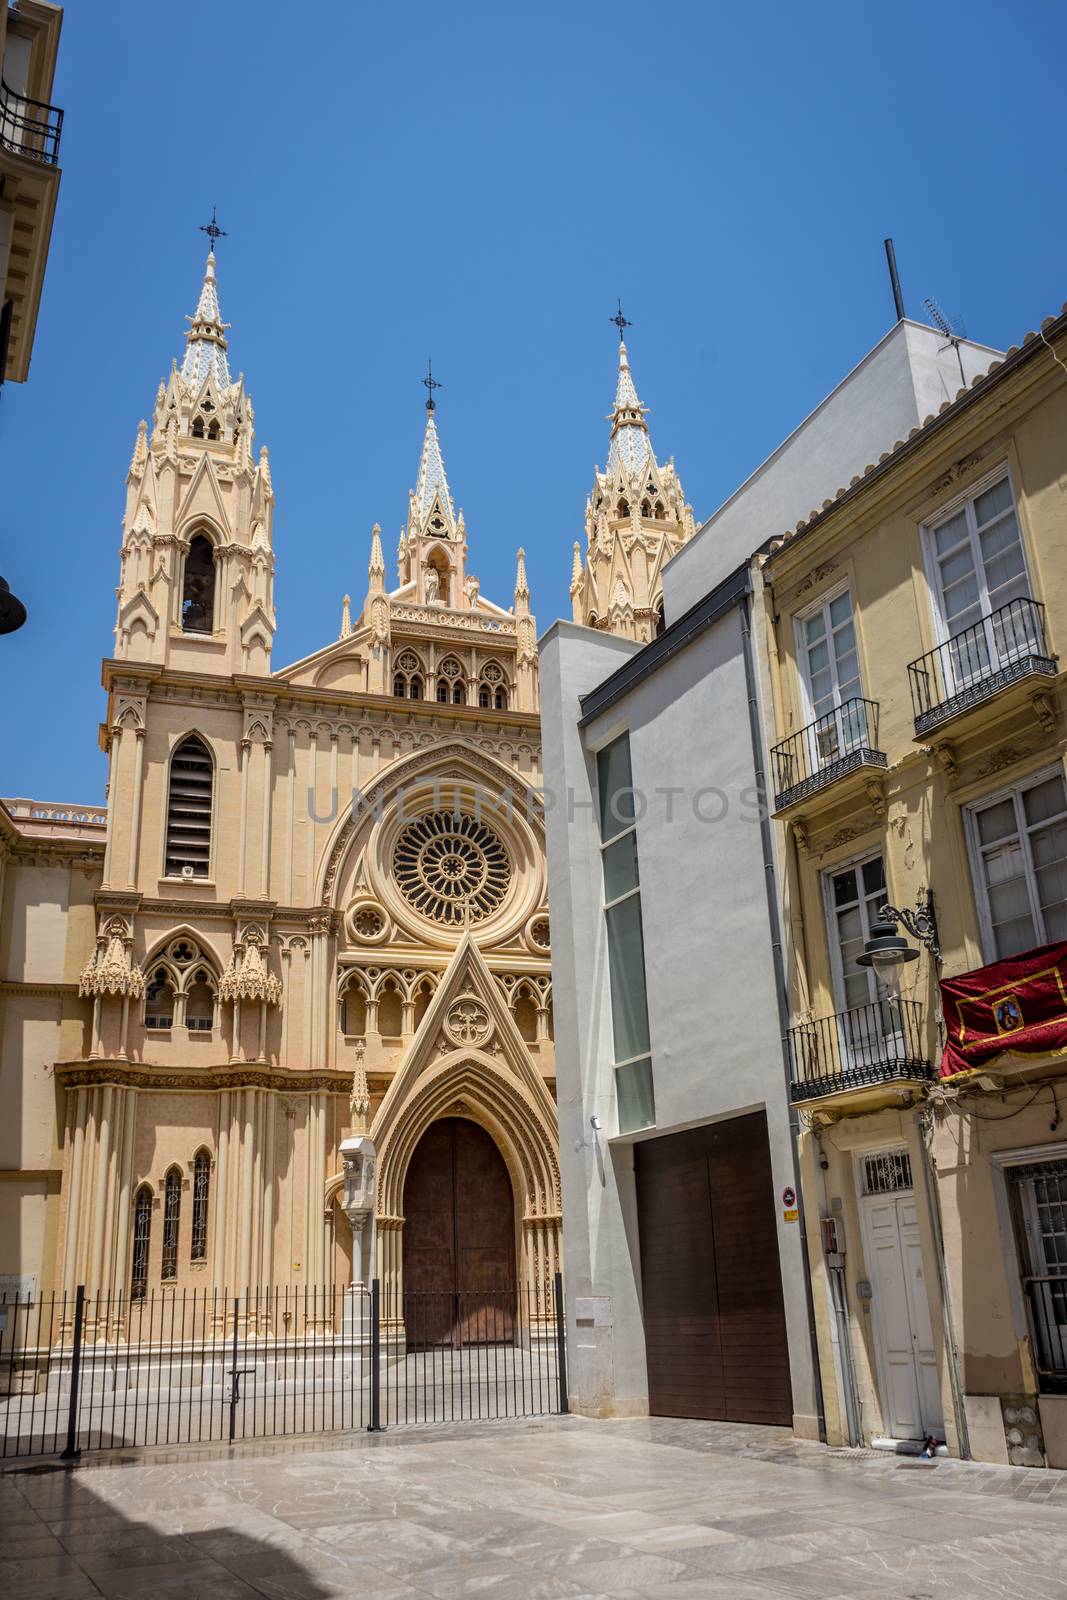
{"x":1000,"y":648}
{"x":839,"y":742}
{"x":1047,"y":1300}
{"x":29,"y":127}
{"x":853,"y":1049}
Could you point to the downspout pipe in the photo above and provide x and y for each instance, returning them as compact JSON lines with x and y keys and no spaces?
{"x":770,"y":878}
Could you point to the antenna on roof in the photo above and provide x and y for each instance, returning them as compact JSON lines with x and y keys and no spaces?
{"x":951,"y":327}
{"x":894,"y":278}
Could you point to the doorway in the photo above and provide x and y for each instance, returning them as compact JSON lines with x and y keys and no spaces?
{"x":459,"y":1240}
{"x":904,"y":1340}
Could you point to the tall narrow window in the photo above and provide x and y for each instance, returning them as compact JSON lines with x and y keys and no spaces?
{"x":201,"y":1187}
{"x":200,"y":1003}
{"x":979,"y":558}
{"x":159,"y":1001}
{"x":1020,"y":844}
{"x":857,"y":894}
{"x":189,"y":811}
{"x":1038,"y":1192}
{"x":172,"y":1210}
{"x":198,"y":594}
{"x":626,"y":950}
{"x":142,"y":1240}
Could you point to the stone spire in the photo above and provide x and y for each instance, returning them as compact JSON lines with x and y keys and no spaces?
{"x":205,"y":354}
{"x":522,"y":588}
{"x":432,"y":484}
{"x":630,"y":446}
{"x":376,"y":565}
{"x":636,"y":519}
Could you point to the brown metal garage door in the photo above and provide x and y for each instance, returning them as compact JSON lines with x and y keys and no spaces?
{"x":714,"y":1319}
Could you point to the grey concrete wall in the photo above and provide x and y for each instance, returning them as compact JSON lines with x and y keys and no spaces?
{"x":904,"y":379}
{"x":716,"y":1046}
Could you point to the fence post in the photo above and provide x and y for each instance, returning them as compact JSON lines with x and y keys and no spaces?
{"x":71,"y":1452}
{"x":375,"y":1357}
{"x":561,"y":1346}
{"x":235,"y":1381}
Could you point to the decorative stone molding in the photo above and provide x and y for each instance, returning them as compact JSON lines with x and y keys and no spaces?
{"x":110,"y":970}
{"x":247,"y":977}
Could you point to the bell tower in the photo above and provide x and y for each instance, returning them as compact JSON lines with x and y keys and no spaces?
{"x":635,"y":519}
{"x":197,"y":567}
{"x":432,"y":555}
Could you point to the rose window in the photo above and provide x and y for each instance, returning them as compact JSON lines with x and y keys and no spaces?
{"x":450,"y":867}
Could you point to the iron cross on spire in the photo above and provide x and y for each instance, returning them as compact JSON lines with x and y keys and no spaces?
{"x":430,"y":383}
{"x":620,"y":322}
{"x":213,"y":230}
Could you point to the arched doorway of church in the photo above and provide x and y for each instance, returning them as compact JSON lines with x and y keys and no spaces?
{"x":459,"y":1239}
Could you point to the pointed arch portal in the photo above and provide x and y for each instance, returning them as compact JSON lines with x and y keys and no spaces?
{"x":459,"y":1239}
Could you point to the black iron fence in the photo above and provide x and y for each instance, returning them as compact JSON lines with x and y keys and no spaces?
{"x":29,"y":127}
{"x":1006,"y":645}
{"x":836,"y":743}
{"x":195,"y":1366}
{"x":1047,"y":1300}
{"x":863,"y":1045}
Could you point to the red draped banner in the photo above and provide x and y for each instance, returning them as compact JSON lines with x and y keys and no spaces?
{"x":1018,"y":1007}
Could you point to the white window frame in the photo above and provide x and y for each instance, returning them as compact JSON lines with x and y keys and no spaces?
{"x":930,"y":526}
{"x":837,"y":967}
{"x":977,"y":861}
{"x":823,"y":603}
{"x":1001,"y":1161}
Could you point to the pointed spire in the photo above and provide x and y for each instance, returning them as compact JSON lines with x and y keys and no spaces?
{"x":140,"y":450}
{"x":522,"y":588}
{"x":264,"y":468}
{"x":630,"y":447}
{"x":376,"y":567}
{"x":346,"y":616}
{"x":432,"y":481}
{"x":205,"y":355}
{"x":576,"y":566}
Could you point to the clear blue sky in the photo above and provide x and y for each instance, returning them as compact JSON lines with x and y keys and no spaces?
{"x":479,"y":182}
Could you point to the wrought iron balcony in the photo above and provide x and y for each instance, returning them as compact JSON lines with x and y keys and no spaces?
{"x":839,"y":742}
{"x":29,"y":127}
{"x":1047,"y":1300}
{"x":865,"y":1046}
{"x":997,"y":650}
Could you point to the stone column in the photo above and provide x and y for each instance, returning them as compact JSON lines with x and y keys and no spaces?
{"x":138,"y":797}
{"x":244,"y":756}
{"x":78,"y":1111}
{"x":124,"y":1201}
{"x":101,"y":1156}
{"x":268,"y":786}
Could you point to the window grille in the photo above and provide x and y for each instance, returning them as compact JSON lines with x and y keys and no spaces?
{"x":142,"y":1239}
{"x":201,"y":1188}
{"x":172,"y":1205}
{"x":886,"y":1172}
{"x":189,"y":811}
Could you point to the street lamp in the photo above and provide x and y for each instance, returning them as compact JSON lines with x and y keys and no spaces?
{"x":889,"y":954}
{"x":12,"y":610}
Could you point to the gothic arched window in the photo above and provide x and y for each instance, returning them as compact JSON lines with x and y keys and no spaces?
{"x":198,"y":589}
{"x":201,"y":1194}
{"x":198,"y":428}
{"x":213,"y":429}
{"x":172,"y":1210}
{"x":624,"y":508}
{"x":355,"y":1012}
{"x":457,"y":694}
{"x":400,"y":687}
{"x":646,"y":508}
{"x":442,"y":691}
{"x":159,"y":1001}
{"x":189,"y":810}
{"x":526,"y":1017}
{"x":407,"y":678}
{"x":390,"y":1012}
{"x":142,"y":1240}
{"x":485,"y":699}
{"x":500,"y":700}
{"x":200,"y":1003}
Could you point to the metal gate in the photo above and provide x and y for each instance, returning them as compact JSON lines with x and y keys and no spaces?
{"x":195,"y":1366}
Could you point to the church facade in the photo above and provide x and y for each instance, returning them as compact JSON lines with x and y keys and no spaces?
{"x":315,"y":908}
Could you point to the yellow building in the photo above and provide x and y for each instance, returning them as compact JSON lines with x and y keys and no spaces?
{"x":30,"y":130}
{"x":911,"y":629}
{"x":315,"y":908}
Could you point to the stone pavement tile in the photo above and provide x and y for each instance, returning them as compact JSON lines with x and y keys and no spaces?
{"x":207,"y":1581}
{"x":400,"y":1547}
{"x":313,"y":1586}
{"x":75,"y":1587}
{"x":15,"y":1570}
{"x":626,"y":1569}
{"x":680,"y":1536}
{"x":745,"y":1555}
{"x":28,"y":1539}
{"x":459,"y":1579}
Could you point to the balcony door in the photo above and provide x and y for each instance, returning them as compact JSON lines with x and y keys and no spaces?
{"x":980,"y":576}
{"x":830,"y":670}
{"x":869,"y":1021}
{"x":1038,"y":1191}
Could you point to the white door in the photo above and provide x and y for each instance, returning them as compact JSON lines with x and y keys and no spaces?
{"x":911,"y":1398}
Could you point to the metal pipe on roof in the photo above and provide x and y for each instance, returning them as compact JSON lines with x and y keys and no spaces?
{"x":894,"y":278}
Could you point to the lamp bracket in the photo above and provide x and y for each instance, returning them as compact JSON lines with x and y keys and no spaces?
{"x":920,"y":923}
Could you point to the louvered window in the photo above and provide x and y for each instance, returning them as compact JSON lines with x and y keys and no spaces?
{"x":189,"y":812}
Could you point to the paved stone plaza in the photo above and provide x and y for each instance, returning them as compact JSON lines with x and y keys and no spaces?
{"x":533,"y":1511}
